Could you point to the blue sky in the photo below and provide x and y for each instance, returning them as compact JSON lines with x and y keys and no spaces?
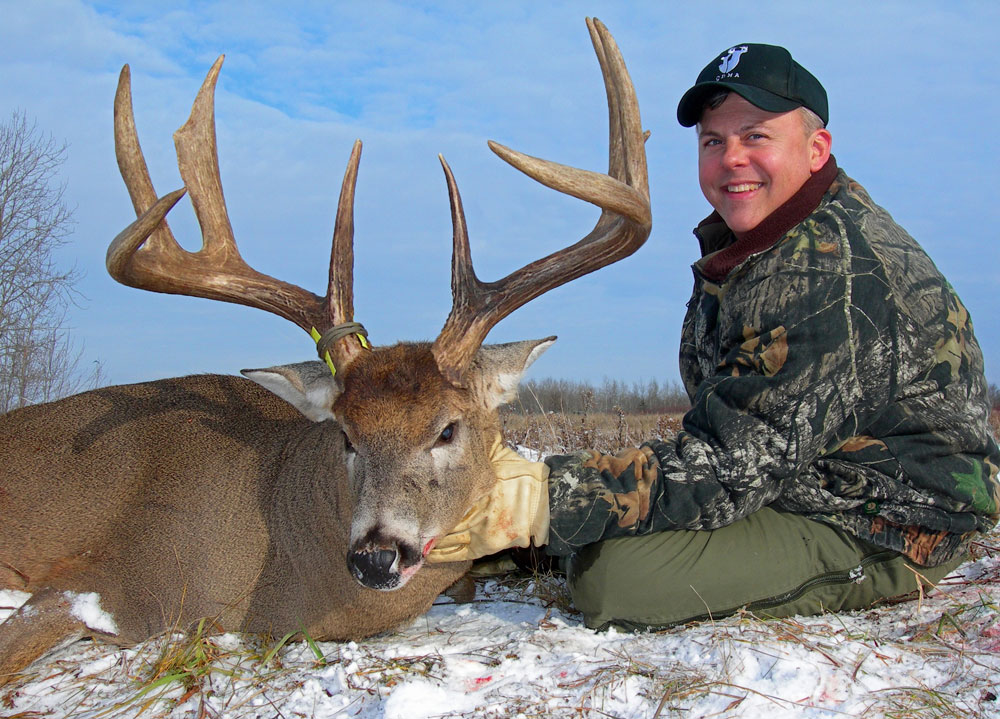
{"x":914,"y":105}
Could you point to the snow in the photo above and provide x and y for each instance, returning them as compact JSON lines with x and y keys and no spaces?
{"x":87,"y":608}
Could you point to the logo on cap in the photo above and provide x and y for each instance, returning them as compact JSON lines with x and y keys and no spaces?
{"x":732,"y":58}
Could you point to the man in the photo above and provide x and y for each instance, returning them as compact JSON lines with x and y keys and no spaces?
{"x":837,"y":451}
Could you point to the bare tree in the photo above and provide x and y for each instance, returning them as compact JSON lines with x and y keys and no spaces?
{"x":38,"y":361}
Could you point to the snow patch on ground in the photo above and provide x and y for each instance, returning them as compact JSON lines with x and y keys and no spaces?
{"x":87,"y":608}
{"x":10,"y":601}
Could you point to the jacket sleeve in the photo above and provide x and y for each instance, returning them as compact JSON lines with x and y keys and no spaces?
{"x":808,"y":362}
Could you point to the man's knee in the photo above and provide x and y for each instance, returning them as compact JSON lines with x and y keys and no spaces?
{"x":770,"y":563}
{"x":639,"y":582}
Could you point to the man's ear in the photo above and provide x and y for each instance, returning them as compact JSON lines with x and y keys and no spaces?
{"x":820,"y":146}
{"x":496,"y":371}
{"x":307,"y":386}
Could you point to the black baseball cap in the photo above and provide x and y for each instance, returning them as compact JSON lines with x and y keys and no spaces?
{"x":764,"y":75}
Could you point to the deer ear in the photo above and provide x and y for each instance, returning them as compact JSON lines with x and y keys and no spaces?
{"x":496,"y":371}
{"x":307,"y":386}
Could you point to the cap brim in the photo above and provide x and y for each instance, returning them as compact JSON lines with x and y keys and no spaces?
{"x":692,"y":103}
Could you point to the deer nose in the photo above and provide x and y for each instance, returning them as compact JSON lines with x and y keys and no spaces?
{"x":375,"y":568}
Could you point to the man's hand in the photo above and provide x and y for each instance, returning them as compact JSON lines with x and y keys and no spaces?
{"x":633,"y":473}
{"x":513,"y":514}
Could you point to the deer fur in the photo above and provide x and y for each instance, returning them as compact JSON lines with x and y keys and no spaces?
{"x":211,"y":497}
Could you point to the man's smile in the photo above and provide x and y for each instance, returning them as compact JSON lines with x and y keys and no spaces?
{"x":744,"y":187}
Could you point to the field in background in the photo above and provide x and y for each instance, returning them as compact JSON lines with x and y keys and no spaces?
{"x":607,"y":432}
{"x":556,"y":416}
{"x":556,"y":433}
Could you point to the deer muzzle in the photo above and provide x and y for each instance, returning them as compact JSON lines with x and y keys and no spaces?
{"x":384,"y":566}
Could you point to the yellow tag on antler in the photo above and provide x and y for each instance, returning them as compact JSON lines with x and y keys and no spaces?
{"x":315,"y":334}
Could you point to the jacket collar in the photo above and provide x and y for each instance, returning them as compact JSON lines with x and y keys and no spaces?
{"x":721,"y":252}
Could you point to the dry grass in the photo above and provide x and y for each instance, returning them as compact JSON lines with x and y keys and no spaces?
{"x":555,"y":433}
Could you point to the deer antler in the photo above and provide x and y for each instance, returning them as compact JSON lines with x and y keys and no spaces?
{"x":146,"y":255}
{"x":624,"y":224}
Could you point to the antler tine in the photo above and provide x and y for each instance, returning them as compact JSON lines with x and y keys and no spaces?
{"x":146,"y":255}
{"x":624,"y":224}
{"x":132,"y":166}
{"x":340,"y":292}
{"x":623,"y":111}
{"x":465,"y":286}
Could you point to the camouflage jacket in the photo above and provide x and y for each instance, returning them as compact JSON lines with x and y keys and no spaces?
{"x":832,"y":371}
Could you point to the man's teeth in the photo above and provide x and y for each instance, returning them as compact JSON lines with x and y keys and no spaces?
{"x":745,"y":187}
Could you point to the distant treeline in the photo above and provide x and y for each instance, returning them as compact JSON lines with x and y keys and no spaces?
{"x":569,"y":397}
{"x":566,"y":396}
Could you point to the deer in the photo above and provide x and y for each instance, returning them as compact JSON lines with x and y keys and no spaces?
{"x":300,"y":498}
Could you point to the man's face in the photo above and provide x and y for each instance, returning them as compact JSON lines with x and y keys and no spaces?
{"x":750,"y":161}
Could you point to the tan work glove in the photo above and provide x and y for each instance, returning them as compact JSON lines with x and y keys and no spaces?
{"x":515,"y":512}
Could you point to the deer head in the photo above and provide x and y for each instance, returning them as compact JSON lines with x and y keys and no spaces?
{"x":418,"y":419}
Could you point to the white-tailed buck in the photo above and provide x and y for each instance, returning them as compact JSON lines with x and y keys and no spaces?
{"x":300,"y":500}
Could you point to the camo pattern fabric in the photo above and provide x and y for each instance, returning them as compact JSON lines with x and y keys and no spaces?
{"x":836,"y":375}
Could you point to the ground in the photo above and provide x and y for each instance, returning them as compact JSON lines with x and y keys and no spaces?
{"x":520,"y":650}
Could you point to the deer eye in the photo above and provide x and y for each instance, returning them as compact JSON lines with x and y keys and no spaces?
{"x":348,"y":447}
{"x":447,"y":434}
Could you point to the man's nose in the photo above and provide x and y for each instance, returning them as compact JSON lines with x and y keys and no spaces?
{"x":735,"y":154}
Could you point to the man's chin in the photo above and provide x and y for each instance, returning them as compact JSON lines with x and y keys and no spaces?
{"x":742,"y":215}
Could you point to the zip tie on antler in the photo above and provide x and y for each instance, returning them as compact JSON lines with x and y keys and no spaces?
{"x":337,"y":332}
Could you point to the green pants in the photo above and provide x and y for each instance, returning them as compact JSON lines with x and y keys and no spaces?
{"x":771,"y":563}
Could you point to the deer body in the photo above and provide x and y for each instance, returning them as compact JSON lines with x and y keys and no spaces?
{"x":300,"y":501}
{"x":210,"y":496}
{"x":253,"y":532}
